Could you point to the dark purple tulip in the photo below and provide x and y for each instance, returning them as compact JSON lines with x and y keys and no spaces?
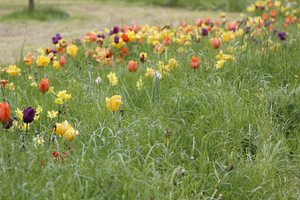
{"x":204,"y":31}
{"x":101,"y":36}
{"x":114,"y":30}
{"x":54,"y":40}
{"x":281,"y":35}
{"x":116,"y":39}
{"x":54,"y":51}
{"x":262,"y":7}
{"x":8,"y":124}
{"x":211,"y":24}
{"x":28,"y":115}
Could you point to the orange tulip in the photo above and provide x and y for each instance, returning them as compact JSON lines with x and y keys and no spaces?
{"x":167,"y":41}
{"x":4,"y":112}
{"x":132,"y":66}
{"x":44,"y":85}
{"x":62,"y":61}
{"x":4,"y":82}
{"x":273,"y":13}
{"x":199,"y":22}
{"x":195,"y":62}
{"x":125,"y":37}
{"x":135,"y":27}
{"x":207,"y":21}
{"x":265,"y":17}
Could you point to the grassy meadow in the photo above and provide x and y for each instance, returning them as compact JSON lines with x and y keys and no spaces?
{"x":225,"y":126}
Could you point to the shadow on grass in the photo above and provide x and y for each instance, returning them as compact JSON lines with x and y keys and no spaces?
{"x":40,"y":14}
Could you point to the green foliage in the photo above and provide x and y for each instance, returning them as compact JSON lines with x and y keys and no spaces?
{"x":226,"y":5}
{"x":41,"y":14}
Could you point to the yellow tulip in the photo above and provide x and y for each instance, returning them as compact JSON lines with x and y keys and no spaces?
{"x":72,"y":51}
{"x":62,"y":128}
{"x":13,"y":70}
{"x":42,"y":61}
{"x":114,"y":102}
{"x":70,"y":134}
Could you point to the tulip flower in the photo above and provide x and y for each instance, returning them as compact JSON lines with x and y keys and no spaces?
{"x":44,"y":85}
{"x":8,"y":124}
{"x":195,"y":62}
{"x":114,"y":102}
{"x":70,"y":134}
{"x":167,"y":41}
{"x":28,"y":115}
{"x":60,"y":129}
{"x":62,"y":61}
{"x":216,"y":42}
{"x":13,"y":70}
{"x":132,"y":66}
{"x":207,"y":21}
{"x":72,"y":50}
{"x":281,"y":35}
{"x":42,"y":61}
{"x":204,"y":32}
{"x":143,"y":57}
{"x":4,"y":112}
{"x":199,"y":22}
{"x":29,"y":59}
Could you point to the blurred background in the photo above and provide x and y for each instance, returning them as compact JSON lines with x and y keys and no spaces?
{"x":26,"y":25}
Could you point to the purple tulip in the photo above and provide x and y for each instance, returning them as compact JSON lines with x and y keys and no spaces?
{"x":58,"y":36}
{"x":281,"y":35}
{"x":266,"y":23}
{"x":116,"y":39}
{"x":101,"y":36}
{"x":204,"y":32}
{"x":54,"y":40}
{"x":8,"y":124}
{"x":262,"y":7}
{"x":114,"y":30}
{"x":28,"y":115}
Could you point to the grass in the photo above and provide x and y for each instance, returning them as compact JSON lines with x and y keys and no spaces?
{"x":40,"y":14}
{"x":225,"y":5}
{"x":196,"y":134}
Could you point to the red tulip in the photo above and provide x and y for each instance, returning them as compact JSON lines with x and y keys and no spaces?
{"x":265,"y":17}
{"x":195,"y":62}
{"x":216,"y":42}
{"x":125,"y":37}
{"x":199,"y":22}
{"x":207,"y":21}
{"x":273,"y":13}
{"x":132,"y":66}
{"x":62,"y":61}
{"x":167,"y":41}
{"x":4,"y":112}
{"x":44,"y":85}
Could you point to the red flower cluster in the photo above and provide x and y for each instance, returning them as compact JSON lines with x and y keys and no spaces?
{"x":60,"y":156}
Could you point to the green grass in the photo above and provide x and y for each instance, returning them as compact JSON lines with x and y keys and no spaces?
{"x":225,"y":5}
{"x":40,"y":14}
{"x":196,"y":134}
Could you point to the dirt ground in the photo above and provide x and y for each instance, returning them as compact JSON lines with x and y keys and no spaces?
{"x":85,"y":16}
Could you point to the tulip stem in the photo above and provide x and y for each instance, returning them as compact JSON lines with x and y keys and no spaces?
{"x":4,"y":100}
{"x":26,"y":130}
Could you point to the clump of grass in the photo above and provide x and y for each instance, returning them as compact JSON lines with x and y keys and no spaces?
{"x":40,"y":14}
